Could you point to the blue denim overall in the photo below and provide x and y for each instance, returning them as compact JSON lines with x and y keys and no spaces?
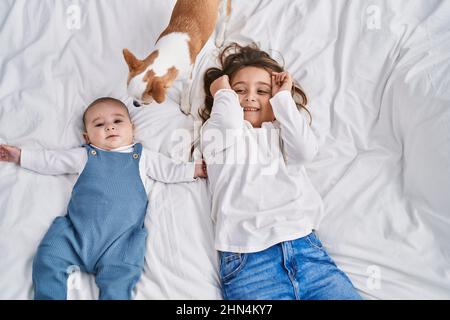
{"x":103,"y":232}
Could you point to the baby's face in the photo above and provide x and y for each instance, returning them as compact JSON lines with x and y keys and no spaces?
{"x":108,"y":126}
{"x":254,"y":88}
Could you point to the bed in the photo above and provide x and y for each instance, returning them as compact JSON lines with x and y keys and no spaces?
{"x":377,"y":74}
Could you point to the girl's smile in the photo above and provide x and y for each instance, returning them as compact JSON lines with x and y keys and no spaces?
{"x":249,"y":109}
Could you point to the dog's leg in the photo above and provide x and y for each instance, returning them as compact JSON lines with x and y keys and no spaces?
{"x":185,"y":96}
{"x":222,"y":21}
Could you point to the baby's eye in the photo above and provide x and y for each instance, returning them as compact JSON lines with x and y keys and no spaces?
{"x":99,"y":125}
{"x":239,"y":90}
{"x":262,"y":92}
{"x":118,"y":121}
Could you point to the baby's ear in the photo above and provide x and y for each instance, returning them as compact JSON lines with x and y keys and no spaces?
{"x":86,"y":137}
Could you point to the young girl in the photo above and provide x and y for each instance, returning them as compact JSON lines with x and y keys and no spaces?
{"x":255,"y":143}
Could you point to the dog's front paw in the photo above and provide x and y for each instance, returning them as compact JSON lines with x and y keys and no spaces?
{"x":185,"y":104}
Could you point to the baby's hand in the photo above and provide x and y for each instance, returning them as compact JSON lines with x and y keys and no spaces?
{"x":10,"y":154}
{"x":281,"y":81}
{"x":220,"y":83}
{"x":200,"y":170}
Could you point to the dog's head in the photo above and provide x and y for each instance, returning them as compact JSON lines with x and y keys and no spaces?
{"x":144,"y":85}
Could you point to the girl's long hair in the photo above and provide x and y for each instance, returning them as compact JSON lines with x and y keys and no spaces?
{"x":235,"y":57}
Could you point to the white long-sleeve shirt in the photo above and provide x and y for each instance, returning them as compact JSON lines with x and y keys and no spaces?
{"x":261,"y":194}
{"x":72,"y":161}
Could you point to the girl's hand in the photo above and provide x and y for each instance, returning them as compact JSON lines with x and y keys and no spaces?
{"x":10,"y":154}
{"x":200,"y":170}
{"x":220,"y":83}
{"x":281,"y":81}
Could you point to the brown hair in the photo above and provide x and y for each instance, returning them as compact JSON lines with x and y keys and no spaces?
{"x":235,"y":57}
{"x":104,"y":100}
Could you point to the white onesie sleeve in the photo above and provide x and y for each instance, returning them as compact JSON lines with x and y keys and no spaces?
{"x":54,"y":162}
{"x":164,"y":169}
{"x":299,"y":143}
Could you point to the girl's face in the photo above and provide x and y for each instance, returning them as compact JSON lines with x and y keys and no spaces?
{"x":254,"y":88}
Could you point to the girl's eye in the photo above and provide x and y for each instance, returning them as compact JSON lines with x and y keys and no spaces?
{"x":263,"y":92}
{"x":239,"y":90}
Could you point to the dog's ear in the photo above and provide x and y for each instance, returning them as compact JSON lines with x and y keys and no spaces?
{"x":151,"y":57}
{"x":158,"y":90}
{"x":132,"y":61}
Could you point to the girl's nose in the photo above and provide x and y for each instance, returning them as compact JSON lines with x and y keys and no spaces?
{"x":250,"y":97}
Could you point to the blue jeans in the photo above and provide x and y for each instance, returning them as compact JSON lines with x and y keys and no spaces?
{"x":292,"y":270}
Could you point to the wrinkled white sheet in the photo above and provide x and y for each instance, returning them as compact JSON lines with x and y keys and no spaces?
{"x":377,"y":75}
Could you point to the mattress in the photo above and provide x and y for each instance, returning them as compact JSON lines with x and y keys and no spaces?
{"x":377,"y":74}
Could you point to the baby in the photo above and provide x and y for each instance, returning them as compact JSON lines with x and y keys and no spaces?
{"x":103,"y":231}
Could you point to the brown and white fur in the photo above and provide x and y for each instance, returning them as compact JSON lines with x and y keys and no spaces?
{"x":191,"y":24}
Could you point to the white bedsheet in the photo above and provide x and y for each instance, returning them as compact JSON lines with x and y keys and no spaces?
{"x":377,"y":75}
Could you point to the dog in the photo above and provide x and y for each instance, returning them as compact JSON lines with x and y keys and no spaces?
{"x":191,"y":24}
